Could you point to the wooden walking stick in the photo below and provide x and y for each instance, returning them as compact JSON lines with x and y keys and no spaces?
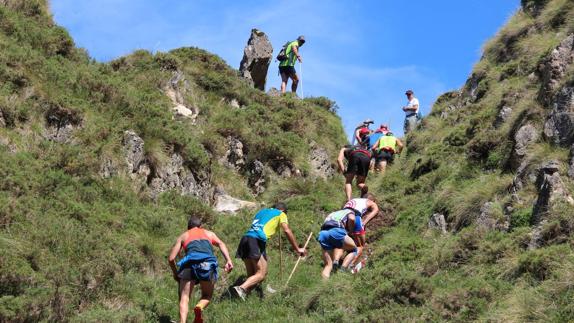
{"x":280,"y":258}
{"x":298,"y":260}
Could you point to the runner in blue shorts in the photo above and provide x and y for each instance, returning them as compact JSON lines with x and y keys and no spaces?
{"x":334,"y":238}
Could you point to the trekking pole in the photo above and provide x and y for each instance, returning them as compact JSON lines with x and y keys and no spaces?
{"x":301,"y":72}
{"x":298,"y":260}
{"x":280,"y":258}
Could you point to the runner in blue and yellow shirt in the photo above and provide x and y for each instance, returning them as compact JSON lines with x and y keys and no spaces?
{"x":251,"y":248}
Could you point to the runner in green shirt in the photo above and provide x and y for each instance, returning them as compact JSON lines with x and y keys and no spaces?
{"x":287,"y":67}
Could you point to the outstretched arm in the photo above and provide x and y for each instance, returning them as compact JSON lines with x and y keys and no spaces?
{"x":374,"y":210}
{"x":173,"y":254}
{"x":291,"y":238}
{"x":217,"y":242}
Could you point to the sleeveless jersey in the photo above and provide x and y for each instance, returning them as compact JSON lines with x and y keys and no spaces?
{"x":358,"y":205}
{"x":197,"y":247}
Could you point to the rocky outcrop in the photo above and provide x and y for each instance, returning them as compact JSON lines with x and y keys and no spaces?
{"x":524,"y":137}
{"x":235,"y":154}
{"x":175,"y":90}
{"x":437,"y":222}
{"x":256,"y":176}
{"x":134,"y":150}
{"x":475,"y":88}
{"x":163,"y":176}
{"x":553,"y":68}
{"x":227,"y":204}
{"x":524,"y":174}
{"x":551,"y":188}
{"x":559,"y":127}
{"x":175,"y":175}
{"x":492,"y":218}
{"x":320,"y":162}
{"x":61,"y":124}
{"x":257,"y":56}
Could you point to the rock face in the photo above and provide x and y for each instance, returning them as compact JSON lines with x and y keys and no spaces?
{"x":175,"y":175}
{"x":175,"y":89}
{"x":437,"y":222}
{"x":320,"y":162}
{"x":235,"y":154}
{"x":134,"y":150}
{"x":61,"y":124}
{"x":161,"y":177}
{"x":256,"y":176}
{"x":559,"y":126}
{"x":257,"y":56}
{"x":554,"y":67}
{"x":227,"y":204}
{"x":550,"y":189}
{"x":492,"y":218}
{"x":524,"y":137}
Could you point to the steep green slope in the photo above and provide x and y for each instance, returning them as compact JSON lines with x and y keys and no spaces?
{"x":99,"y":176}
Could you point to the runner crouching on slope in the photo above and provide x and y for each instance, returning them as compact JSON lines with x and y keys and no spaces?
{"x":251,"y":248}
{"x":364,"y":209}
{"x":334,"y":239}
{"x":359,"y":159}
{"x":199,"y":266}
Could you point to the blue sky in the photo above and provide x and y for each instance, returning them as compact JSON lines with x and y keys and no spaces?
{"x":362,"y":54}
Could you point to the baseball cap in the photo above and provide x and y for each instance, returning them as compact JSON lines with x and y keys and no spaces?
{"x":409,"y":92}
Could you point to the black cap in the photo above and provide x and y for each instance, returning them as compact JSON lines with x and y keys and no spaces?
{"x":409,"y":92}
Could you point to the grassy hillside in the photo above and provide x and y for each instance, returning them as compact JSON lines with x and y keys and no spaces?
{"x":81,"y":235}
{"x":84,"y":237}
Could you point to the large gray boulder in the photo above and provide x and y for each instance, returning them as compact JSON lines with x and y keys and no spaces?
{"x":554,"y":67}
{"x":257,"y":56}
{"x":559,"y":127}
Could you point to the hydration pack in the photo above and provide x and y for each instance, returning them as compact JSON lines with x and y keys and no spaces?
{"x":283,"y":52}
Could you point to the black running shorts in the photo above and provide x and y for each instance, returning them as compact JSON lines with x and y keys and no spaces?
{"x":358,"y":164}
{"x":251,"y":248}
{"x":287,"y":70}
{"x":381,"y":155}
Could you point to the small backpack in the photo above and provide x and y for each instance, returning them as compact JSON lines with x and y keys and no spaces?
{"x":283,"y":52}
